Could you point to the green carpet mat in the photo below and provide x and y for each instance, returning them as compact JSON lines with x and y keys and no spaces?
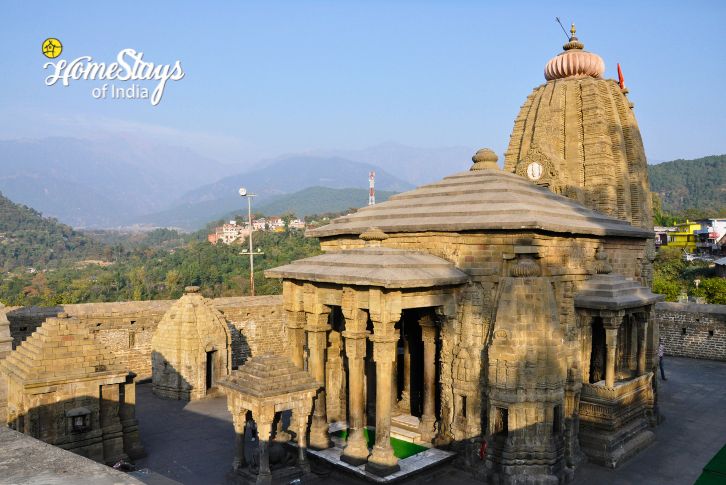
{"x":402,"y":449}
{"x":714,"y":473}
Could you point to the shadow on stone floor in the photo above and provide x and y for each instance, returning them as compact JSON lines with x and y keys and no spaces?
{"x":192,"y":443}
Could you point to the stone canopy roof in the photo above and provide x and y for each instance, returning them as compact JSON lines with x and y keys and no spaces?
{"x":269,"y":376}
{"x":487,"y":199}
{"x":373,"y":266}
{"x":61,"y":349}
{"x":614,"y":292}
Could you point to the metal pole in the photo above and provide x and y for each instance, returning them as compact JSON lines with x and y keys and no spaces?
{"x":252,"y":259}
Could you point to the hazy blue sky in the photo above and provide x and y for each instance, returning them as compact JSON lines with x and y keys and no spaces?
{"x":264,"y":78}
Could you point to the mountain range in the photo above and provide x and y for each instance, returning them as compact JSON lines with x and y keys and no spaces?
{"x":110,"y":183}
{"x":100,"y":183}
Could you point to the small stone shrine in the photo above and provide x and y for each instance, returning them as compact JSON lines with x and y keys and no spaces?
{"x":66,"y":389}
{"x":191,"y":348}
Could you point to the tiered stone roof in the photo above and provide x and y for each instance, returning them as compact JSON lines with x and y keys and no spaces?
{"x":269,"y":376}
{"x":479,"y":199}
{"x":62,"y":349}
{"x":373,"y":266}
{"x":614,"y":292}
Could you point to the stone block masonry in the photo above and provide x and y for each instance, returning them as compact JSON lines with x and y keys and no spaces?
{"x":127,"y":327}
{"x":693,"y":330}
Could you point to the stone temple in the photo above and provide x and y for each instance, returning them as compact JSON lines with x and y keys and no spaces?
{"x":503,"y":307}
{"x":497,"y":314}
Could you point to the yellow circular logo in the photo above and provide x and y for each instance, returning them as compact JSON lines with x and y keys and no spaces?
{"x":52,"y":47}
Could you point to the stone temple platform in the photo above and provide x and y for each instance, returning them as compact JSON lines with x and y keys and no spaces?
{"x":193,"y":443}
{"x":415,"y":465}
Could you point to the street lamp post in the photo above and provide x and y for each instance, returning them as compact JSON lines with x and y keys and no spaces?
{"x":243,"y":193}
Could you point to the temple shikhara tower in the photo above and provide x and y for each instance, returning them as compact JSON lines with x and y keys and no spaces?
{"x":577,"y":135}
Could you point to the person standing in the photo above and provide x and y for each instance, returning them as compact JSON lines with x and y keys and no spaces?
{"x":661,"y":353}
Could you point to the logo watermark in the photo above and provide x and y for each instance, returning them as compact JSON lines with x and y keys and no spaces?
{"x":129,"y":67}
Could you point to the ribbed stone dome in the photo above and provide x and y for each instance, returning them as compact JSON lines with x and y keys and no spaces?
{"x":577,"y":135}
{"x":574,"y":62}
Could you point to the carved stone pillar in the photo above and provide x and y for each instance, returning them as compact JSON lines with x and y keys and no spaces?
{"x":404,"y":405}
{"x":300,"y":420}
{"x":356,"y":448}
{"x":264,"y":428}
{"x":611,"y":343}
{"x":428,"y":419}
{"x":385,"y":312}
{"x":382,"y":461}
{"x":317,"y":331}
{"x":239,"y":420}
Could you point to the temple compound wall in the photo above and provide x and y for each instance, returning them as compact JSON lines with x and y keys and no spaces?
{"x":693,"y":330}
{"x":127,"y":327}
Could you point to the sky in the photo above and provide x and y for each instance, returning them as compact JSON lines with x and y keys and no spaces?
{"x":268,"y":78}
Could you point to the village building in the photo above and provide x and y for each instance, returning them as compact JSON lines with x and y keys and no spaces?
{"x":229,"y":233}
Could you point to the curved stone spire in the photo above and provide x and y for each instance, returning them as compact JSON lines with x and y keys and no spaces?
{"x":189,"y":334}
{"x":574,"y":62}
{"x":577,"y":135}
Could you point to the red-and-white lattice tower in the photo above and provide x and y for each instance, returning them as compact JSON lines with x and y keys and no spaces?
{"x":372,"y":188}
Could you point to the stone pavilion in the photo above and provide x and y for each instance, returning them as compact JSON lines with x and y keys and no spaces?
{"x":267,"y":386}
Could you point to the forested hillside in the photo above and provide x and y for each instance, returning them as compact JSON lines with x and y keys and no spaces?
{"x":27,"y":239}
{"x":691,"y":188}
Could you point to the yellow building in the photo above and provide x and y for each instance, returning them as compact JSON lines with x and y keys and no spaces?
{"x":684,"y":236}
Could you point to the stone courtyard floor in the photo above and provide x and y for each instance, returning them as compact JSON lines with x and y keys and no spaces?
{"x":192,"y":443}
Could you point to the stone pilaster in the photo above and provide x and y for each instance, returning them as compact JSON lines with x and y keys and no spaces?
{"x":296,"y":336}
{"x":642,"y":344}
{"x":113,"y":445}
{"x":127,"y":414}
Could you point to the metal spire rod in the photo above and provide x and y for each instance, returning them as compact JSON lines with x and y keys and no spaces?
{"x":563,"y":27}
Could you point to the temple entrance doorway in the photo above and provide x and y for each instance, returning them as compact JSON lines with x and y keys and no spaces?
{"x":210,"y":370}
{"x":598,"y":353}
